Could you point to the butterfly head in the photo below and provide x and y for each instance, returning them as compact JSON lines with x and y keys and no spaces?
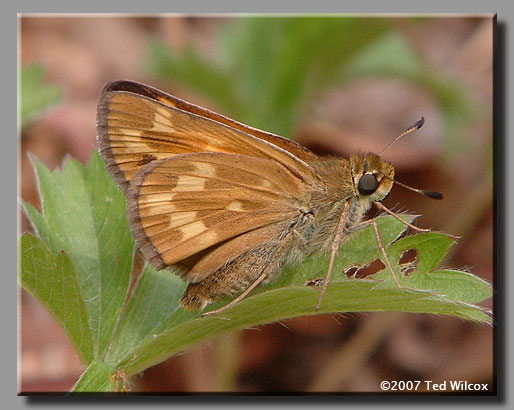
{"x":372,"y":177}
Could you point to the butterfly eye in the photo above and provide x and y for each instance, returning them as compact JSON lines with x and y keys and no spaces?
{"x":367,"y":184}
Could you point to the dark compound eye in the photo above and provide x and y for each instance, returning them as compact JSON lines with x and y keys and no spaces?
{"x":368,"y":184}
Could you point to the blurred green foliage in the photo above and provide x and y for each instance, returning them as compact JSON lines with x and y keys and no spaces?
{"x":268,"y":68}
{"x":392,"y":57}
{"x":35,"y":96}
{"x":266,"y":71}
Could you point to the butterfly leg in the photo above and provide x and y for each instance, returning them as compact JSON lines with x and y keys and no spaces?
{"x":333,"y":251}
{"x":119,"y":378}
{"x":383,"y":208}
{"x":239,"y":298}
{"x":384,"y":254}
{"x":300,"y":239}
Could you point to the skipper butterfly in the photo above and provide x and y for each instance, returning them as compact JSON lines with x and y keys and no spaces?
{"x":225,"y":205}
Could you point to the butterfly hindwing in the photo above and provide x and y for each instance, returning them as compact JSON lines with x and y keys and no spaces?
{"x":197,"y":211}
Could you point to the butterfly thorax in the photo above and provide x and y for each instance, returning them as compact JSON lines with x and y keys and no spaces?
{"x":344,"y":196}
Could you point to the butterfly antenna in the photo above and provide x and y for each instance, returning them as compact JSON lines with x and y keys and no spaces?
{"x":430,"y":194}
{"x":416,"y":126}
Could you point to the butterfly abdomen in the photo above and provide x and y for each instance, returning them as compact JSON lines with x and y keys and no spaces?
{"x":238,"y":274}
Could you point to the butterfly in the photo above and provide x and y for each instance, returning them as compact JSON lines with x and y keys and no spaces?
{"x":224,"y":205}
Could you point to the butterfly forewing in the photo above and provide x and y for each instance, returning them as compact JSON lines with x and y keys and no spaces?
{"x":135,"y":129}
{"x":214,"y":202}
{"x":154,"y":94}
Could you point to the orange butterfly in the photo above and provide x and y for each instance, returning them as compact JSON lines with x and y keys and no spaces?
{"x":223,"y":204}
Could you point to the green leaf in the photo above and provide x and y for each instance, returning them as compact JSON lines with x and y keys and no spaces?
{"x":37,"y":221}
{"x":98,"y":377}
{"x":35,"y":96}
{"x":83,"y":214}
{"x":81,"y":274}
{"x":281,"y":303}
{"x":431,"y":248}
{"x":53,"y":280}
{"x":174,"y":330}
{"x":153,"y":304}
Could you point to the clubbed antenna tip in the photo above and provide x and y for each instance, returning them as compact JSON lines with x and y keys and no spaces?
{"x":416,"y":126}
{"x":433,"y":194}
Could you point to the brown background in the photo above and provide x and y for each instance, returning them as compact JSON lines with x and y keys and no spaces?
{"x":351,"y":352}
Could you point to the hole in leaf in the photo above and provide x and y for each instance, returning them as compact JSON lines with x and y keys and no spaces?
{"x":351,"y":271}
{"x":366,"y":270}
{"x":314,"y":282}
{"x":408,"y":261}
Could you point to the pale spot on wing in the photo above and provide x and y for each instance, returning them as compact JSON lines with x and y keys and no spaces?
{"x":205,"y":169}
{"x":128,"y":131}
{"x":161,"y":124}
{"x":192,"y":229}
{"x":161,"y":120}
{"x":159,"y":197}
{"x":235,"y":206}
{"x":162,"y":112}
{"x":266,"y":184}
{"x":182,"y":218}
{"x":189,"y":183}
